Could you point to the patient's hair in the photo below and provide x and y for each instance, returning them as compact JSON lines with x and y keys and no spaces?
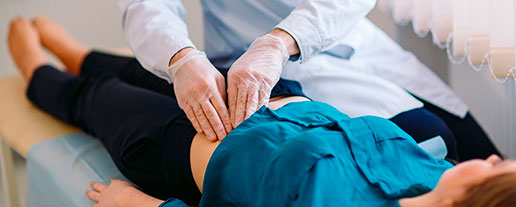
{"x":496,"y":191}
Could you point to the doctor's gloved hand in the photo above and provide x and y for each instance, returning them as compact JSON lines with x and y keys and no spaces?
{"x":252,"y":77}
{"x":201,"y":92}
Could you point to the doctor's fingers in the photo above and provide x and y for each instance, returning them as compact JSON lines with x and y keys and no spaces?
{"x":241,"y":104}
{"x":263,"y":98}
{"x":219,"y":102}
{"x":204,"y":123}
{"x":252,"y":100}
{"x":232,"y":99}
{"x":214,"y":119}
{"x":193,"y":119}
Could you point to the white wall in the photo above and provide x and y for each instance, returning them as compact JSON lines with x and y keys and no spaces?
{"x":194,"y":21}
{"x":491,"y":102}
{"x":94,"y":23}
{"x":423,"y":48}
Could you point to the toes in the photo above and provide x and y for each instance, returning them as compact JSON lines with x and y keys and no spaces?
{"x":21,"y":29}
{"x":20,"y":25}
{"x":15,"y":25}
{"x":39,"y":21}
{"x":19,"y":22}
{"x":14,"y":28}
{"x":46,"y":25}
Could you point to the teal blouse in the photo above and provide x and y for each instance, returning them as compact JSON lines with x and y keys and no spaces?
{"x":310,"y":154}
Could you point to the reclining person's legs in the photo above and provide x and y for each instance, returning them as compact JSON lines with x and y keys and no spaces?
{"x":58,"y":41}
{"x":146,"y":133}
{"x":80,"y":60}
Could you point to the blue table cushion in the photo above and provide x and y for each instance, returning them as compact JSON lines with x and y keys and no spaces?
{"x":60,"y":170}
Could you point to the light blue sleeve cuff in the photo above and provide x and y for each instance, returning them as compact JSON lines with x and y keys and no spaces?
{"x":157,"y":59}
{"x":173,"y":202}
{"x":305,"y":33}
{"x":155,"y":31}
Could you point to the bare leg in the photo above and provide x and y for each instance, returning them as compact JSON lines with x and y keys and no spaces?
{"x":56,"y":39}
{"x":24,"y":46}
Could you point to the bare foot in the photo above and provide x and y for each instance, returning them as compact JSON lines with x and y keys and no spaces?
{"x":56,"y":39}
{"x":24,"y":46}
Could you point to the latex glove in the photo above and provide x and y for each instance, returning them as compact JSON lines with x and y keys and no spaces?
{"x":201,"y":93}
{"x":252,"y":77}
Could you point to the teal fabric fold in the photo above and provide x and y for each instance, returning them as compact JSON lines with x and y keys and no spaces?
{"x":173,"y":202}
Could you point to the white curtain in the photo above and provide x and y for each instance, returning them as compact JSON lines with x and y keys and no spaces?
{"x":402,"y":11}
{"x":422,"y":16}
{"x":481,"y":31}
{"x":502,"y":35}
{"x":478,"y":31}
{"x":442,"y":20}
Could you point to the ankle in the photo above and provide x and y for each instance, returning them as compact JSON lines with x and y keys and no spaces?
{"x":28,"y":72}
{"x":77,"y":60}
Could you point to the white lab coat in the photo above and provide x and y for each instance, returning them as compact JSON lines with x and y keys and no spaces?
{"x":375,"y":81}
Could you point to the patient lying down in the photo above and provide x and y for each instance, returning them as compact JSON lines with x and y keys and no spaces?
{"x":294,"y":152}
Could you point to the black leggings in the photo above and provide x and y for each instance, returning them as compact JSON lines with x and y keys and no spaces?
{"x":133,"y":113}
{"x":136,"y":117}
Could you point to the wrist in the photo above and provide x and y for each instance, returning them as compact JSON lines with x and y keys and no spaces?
{"x":183,"y":52}
{"x":134,"y":197}
{"x":289,"y":41}
{"x":187,"y":58}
